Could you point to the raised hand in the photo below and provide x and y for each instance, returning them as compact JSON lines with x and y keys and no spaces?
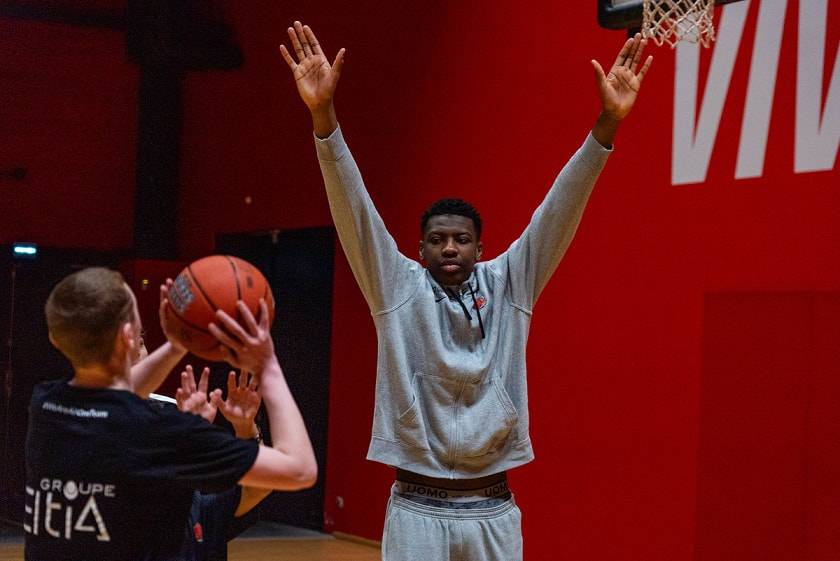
{"x":316,"y":80}
{"x":618,"y":89}
{"x":194,"y":399}
{"x":242,"y":404}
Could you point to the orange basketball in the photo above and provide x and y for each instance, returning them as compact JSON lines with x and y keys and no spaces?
{"x":209,"y":284}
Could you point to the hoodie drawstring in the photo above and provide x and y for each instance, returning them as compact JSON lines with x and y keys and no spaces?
{"x":464,"y":306}
{"x":477,"y":309}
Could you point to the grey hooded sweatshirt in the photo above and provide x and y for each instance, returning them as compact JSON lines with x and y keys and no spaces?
{"x":451,"y":394}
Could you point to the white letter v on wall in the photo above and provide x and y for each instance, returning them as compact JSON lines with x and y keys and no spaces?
{"x":694,"y":138}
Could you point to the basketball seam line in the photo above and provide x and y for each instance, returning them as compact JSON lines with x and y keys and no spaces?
{"x":235,"y":276}
{"x":198,"y":285}
{"x":188,"y":322}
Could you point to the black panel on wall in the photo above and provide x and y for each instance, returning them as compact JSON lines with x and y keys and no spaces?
{"x":27,"y":355}
{"x":167,"y":38}
{"x":299,"y":266}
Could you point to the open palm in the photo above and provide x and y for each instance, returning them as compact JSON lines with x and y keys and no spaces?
{"x":242,"y":403}
{"x":315,"y":78}
{"x":619,"y":88}
{"x":192,"y":398}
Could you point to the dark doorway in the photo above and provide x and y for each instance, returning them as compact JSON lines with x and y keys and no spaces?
{"x":27,"y":355}
{"x":299,"y":266}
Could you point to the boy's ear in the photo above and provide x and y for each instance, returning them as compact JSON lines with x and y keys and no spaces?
{"x":125,"y":337}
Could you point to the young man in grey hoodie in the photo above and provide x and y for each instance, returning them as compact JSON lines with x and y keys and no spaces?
{"x":451,"y":400}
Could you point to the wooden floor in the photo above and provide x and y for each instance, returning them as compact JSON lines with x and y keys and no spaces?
{"x":300,"y":550}
{"x":264,"y":549}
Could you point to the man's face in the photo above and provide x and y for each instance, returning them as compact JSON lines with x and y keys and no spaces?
{"x":450,"y":248}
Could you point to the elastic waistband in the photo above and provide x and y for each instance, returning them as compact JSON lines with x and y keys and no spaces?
{"x":475,"y":484}
{"x":465,"y":514}
{"x":442,"y":492}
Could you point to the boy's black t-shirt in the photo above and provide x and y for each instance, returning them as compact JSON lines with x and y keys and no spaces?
{"x":110,"y":476}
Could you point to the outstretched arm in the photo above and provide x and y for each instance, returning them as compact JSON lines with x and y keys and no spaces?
{"x":530,"y":260}
{"x":148,"y":374}
{"x":380,"y":269}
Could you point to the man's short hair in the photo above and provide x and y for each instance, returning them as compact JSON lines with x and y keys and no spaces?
{"x":457,"y":207}
{"x":84,"y":312}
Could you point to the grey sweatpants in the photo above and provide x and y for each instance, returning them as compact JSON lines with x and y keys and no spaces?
{"x":419,"y":532}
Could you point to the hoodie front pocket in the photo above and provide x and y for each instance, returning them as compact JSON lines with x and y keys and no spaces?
{"x":460,"y":422}
{"x":410,"y":429}
{"x":486,"y":421}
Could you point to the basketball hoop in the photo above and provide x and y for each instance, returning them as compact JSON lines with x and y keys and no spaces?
{"x":672,"y":21}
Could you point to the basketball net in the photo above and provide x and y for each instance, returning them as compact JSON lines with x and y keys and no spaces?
{"x":672,"y":21}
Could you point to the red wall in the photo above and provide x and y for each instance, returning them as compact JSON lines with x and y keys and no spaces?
{"x":68,"y":114}
{"x":246,"y":133}
{"x":764,"y":489}
{"x":487,"y":101}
